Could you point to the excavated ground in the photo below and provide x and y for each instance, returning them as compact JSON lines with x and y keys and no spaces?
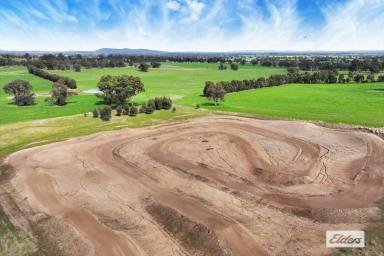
{"x":211,"y":186}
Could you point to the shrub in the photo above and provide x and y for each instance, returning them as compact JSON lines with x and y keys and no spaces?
{"x":133,"y":111}
{"x":234,"y":67}
{"x":158,"y":103}
{"x":222,"y":66}
{"x":143,"y":67}
{"x":150,"y":108}
{"x":167,"y":103}
{"x":59,"y":93}
{"x":105,"y":113}
{"x":126,"y":110}
{"x":151,"y":104}
{"x":95,"y":113}
{"x":143,"y":108}
{"x":197,"y":106}
{"x":155,"y":64}
{"x":119,"y":110}
{"x":77,"y":68}
{"x":174,"y":109}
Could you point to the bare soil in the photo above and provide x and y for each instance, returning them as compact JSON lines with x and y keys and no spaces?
{"x":217,"y":185}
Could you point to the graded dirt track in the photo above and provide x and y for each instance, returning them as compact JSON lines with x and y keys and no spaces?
{"x":212,"y":186}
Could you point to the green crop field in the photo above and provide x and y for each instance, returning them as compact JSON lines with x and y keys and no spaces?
{"x":360,"y":104}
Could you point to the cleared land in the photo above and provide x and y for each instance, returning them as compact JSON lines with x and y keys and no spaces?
{"x":212,"y":186}
{"x":360,"y":104}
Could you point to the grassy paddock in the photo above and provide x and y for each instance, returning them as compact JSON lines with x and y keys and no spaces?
{"x":174,"y":80}
{"x":14,"y":137}
{"x":359,"y":104}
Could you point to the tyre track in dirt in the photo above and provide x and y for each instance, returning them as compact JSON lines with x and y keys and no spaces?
{"x":221,"y":172}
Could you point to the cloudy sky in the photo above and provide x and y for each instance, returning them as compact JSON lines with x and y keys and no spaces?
{"x":192,"y":25}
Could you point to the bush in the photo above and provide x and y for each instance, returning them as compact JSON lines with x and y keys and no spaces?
{"x":158,"y":103}
{"x":143,"y":107}
{"x":234,"y":67}
{"x":126,"y":110}
{"x":119,"y":110}
{"x":197,"y":106}
{"x":143,"y":67}
{"x":95,"y":113}
{"x":77,"y":68}
{"x":151,"y":104}
{"x":59,"y":93}
{"x":105,"y":113}
{"x":167,"y":103}
{"x":133,"y":111}
{"x":151,"y":107}
{"x":155,"y":64}
{"x":174,"y":109}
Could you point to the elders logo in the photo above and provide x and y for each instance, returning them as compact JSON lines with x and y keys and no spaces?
{"x":345,"y":239}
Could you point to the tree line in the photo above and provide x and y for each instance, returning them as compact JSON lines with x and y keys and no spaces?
{"x":216,"y":91}
{"x":78,"y":61}
{"x":69,"y":82}
{"x":372,"y":64}
{"x":60,"y":61}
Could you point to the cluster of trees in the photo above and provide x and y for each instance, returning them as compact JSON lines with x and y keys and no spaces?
{"x":157,"y":103}
{"x":8,"y":60}
{"x":315,"y":63}
{"x":293,"y":76}
{"x":105,"y":113}
{"x":234,"y":66}
{"x":69,"y":82}
{"x":21,"y":91}
{"x":78,"y":61}
{"x":303,"y":62}
{"x":127,"y":110}
{"x":116,"y":90}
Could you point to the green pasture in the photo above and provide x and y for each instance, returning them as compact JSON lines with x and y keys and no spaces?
{"x":360,"y":104}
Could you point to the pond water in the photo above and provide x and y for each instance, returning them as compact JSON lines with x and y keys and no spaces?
{"x":92,"y":91}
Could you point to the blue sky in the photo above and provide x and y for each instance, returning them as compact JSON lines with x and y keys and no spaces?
{"x":193,"y":25}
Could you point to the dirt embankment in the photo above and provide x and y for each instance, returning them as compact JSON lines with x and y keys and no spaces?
{"x":212,"y":186}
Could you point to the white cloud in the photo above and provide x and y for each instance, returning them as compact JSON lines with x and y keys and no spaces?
{"x":173,"y":5}
{"x":194,"y":10}
{"x":201,"y":26}
{"x":142,"y":32}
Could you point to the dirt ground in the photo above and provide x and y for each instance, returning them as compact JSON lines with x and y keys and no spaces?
{"x":217,"y":185}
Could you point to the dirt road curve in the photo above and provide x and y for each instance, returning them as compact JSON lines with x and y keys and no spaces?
{"x":212,"y":186}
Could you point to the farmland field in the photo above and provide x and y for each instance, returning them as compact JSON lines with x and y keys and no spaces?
{"x":360,"y":104}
